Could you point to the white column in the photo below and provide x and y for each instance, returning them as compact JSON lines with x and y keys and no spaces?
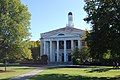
{"x":65,"y":60}
{"x":51,"y":51}
{"x":57,"y":51}
{"x":41,"y":48}
{"x":72,"y":45}
{"x":79,"y":44}
{"x":44,"y":47}
{"x":47,"y":46}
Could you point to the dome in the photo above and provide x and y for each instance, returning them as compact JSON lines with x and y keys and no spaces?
{"x":70,"y":13}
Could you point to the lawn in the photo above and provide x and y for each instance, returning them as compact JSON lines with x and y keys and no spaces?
{"x":94,"y":73}
{"x":13,"y":71}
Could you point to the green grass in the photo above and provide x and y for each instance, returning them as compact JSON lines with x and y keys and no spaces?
{"x":96,"y":73}
{"x":15,"y":71}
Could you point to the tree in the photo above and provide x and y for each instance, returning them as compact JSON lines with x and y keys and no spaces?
{"x":35,"y":49}
{"x":104,"y":17}
{"x":80,"y":56}
{"x":76,"y":56}
{"x":14,"y":29}
{"x":84,"y":51}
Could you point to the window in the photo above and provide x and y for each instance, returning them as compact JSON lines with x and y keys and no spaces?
{"x":61,"y":34}
{"x":68,"y":44}
{"x":76,"y":43}
{"x":61,"y":44}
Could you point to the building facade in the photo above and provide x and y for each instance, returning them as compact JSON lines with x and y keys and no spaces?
{"x":58,"y":44}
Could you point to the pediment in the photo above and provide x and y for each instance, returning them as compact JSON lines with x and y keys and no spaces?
{"x":63,"y":32}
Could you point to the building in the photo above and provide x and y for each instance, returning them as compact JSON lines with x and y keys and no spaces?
{"x":59,"y":43}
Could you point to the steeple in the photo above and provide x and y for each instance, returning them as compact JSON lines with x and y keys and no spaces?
{"x":70,"y":20}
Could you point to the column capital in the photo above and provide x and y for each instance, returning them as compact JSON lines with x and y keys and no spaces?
{"x":57,"y":40}
{"x":64,"y":40}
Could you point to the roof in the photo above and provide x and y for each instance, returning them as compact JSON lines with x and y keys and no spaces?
{"x":65,"y":29}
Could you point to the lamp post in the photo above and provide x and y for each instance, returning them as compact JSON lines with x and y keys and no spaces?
{"x":6,"y":58}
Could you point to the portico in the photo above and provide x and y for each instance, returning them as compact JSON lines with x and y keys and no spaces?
{"x":59,"y":50}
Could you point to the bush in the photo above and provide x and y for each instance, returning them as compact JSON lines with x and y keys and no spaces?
{"x":44,"y":60}
{"x":76,"y":61}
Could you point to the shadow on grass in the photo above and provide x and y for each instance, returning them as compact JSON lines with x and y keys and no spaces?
{"x":69,"y":77}
{"x":72,"y":66}
{"x":5,"y":79}
{"x":18,"y":78}
{"x":22,"y":68}
{"x":102,"y":70}
{"x":17,"y":67}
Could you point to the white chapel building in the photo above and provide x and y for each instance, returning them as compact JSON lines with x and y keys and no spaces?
{"x":58,"y":44}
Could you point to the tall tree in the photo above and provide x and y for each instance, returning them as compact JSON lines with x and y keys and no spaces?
{"x":104,"y":16}
{"x":84,"y":51}
{"x":14,"y":29}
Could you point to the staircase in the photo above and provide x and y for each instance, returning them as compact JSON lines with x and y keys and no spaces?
{"x":60,"y":63}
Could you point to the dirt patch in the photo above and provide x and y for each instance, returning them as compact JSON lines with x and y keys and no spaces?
{"x":1,"y":71}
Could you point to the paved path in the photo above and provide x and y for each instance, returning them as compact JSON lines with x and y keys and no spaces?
{"x":29,"y":74}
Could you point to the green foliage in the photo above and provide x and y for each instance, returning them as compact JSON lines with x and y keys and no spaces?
{"x":84,"y":54}
{"x":76,"y":55}
{"x":104,"y":17}
{"x":80,"y":55}
{"x":107,"y":55}
{"x":14,"y":29}
{"x":35,"y":49}
{"x":27,"y":54}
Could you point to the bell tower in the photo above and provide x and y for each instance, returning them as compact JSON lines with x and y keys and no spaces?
{"x":70,"y":20}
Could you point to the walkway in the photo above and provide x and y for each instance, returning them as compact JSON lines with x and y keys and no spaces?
{"x":29,"y":74}
{"x":41,"y":68}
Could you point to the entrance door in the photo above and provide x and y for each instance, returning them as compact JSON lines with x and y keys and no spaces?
{"x":55,"y":57}
{"x":69,"y":57}
{"x":62,"y":57}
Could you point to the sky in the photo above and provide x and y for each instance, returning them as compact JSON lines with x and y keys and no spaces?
{"x":47,"y":15}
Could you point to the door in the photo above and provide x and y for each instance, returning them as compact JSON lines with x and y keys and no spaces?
{"x":62,"y":57}
{"x":69,"y":57}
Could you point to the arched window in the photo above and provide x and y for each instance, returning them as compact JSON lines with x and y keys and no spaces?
{"x":60,"y":34}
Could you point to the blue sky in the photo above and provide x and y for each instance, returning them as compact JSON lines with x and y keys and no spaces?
{"x":47,"y":15}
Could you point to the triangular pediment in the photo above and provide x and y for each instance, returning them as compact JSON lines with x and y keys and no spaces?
{"x":63,"y":32}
